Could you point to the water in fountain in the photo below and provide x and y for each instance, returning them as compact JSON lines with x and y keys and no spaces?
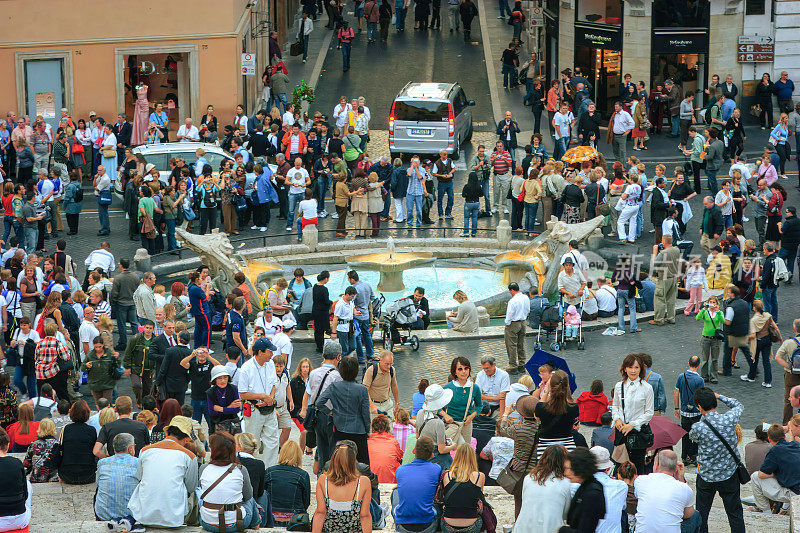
{"x":390,"y":247}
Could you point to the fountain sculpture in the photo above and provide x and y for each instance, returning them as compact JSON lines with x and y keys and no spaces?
{"x":543,"y":254}
{"x":216,"y":252}
{"x":390,"y":264}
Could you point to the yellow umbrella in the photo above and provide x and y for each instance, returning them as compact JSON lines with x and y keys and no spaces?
{"x":579,"y":154}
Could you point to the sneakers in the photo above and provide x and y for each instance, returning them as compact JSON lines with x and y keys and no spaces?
{"x":262,"y":229}
{"x":322,"y":214}
{"x":334,"y":215}
{"x":463,"y":234}
{"x":253,"y":227}
{"x":766,"y":385}
{"x":744,"y":377}
{"x":745,"y":219}
{"x":126,"y":523}
{"x":385,"y":510}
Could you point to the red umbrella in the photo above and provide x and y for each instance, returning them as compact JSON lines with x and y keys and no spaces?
{"x":666,"y":432}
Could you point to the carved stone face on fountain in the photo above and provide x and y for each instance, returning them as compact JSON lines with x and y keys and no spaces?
{"x":561,"y":232}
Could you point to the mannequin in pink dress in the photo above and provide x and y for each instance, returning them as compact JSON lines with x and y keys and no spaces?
{"x":141,"y":112}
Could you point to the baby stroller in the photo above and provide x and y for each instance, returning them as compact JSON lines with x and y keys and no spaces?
{"x":398,"y":318}
{"x":551,"y":319}
{"x":564,"y":339}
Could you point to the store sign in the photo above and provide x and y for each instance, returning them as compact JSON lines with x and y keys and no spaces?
{"x":680,"y":42}
{"x":248,"y":64}
{"x":598,"y":36}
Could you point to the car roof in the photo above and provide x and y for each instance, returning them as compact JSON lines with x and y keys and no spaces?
{"x":426,"y":90}
{"x":144,"y":149}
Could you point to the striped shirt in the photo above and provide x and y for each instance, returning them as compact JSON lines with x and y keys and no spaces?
{"x":402,"y":432}
{"x":501,"y":162}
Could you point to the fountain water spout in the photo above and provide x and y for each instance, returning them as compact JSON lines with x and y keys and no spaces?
{"x":390,"y":247}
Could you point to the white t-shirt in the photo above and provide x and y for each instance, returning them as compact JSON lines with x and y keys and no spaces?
{"x":12,"y":300}
{"x":308,"y":209}
{"x":501,"y":450}
{"x":297,"y":179}
{"x":344,"y":312}
{"x":288,"y":118}
{"x":233,"y":370}
{"x":590,"y":305}
{"x":257,"y":379}
{"x":228,"y":490}
{"x":22,"y":338}
{"x":606,"y":298}
{"x":86,"y":333}
{"x":283,"y":344}
{"x":662,"y":499}
{"x":721,"y":196}
{"x":45,"y":402}
{"x":270,"y":328}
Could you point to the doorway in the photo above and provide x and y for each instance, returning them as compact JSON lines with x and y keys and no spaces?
{"x":603,"y":69}
{"x":687,"y":70}
{"x":44,"y":89}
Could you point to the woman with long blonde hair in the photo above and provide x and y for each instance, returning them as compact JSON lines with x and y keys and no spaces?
{"x":463,"y":493}
{"x":343,"y":504}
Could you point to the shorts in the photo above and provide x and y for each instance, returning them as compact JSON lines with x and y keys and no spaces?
{"x":284,"y":418}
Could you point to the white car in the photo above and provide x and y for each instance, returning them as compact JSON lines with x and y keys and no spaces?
{"x":160,"y":154}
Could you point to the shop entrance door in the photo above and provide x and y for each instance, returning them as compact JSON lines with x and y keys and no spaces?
{"x":44,"y":89}
{"x":687,"y":70}
{"x":603,"y":70}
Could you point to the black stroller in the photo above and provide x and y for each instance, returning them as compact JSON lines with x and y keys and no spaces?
{"x":398,"y":318}
{"x":552,"y":319}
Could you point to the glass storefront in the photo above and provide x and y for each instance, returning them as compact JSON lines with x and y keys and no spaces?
{"x":681,"y":13}
{"x":598,"y":53}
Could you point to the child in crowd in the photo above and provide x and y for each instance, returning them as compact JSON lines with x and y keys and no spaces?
{"x":418,"y":397}
{"x":592,"y":404}
{"x":41,"y":460}
{"x":233,"y":355}
{"x":159,"y":295}
{"x":283,"y":398}
{"x":695,"y":282}
{"x":571,"y":322}
{"x":402,"y":427}
{"x":600,"y":434}
{"x":499,"y":451}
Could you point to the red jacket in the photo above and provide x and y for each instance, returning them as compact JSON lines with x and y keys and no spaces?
{"x":287,"y":143}
{"x":591,"y":406}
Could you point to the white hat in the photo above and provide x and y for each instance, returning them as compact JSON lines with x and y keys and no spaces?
{"x":436,"y":397}
{"x":601,"y":455}
{"x":289,"y":321}
{"x":148,"y":167}
{"x":218,"y":371}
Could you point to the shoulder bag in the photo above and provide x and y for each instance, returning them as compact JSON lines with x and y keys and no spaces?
{"x":741,"y":470}
{"x":511,"y":479}
{"x":222,"y":507}
{"x":312,"y":414}
{"x":602,"y":208}
{"x":459,"y":424}
{"x":640,"y":439}
{"x":104,"y":197}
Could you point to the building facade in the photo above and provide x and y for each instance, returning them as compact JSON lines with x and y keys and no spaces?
{"x":653,"y":40}
{"x":88,"y":56}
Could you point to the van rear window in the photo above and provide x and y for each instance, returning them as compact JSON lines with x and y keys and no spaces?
{"x":421,"y":110}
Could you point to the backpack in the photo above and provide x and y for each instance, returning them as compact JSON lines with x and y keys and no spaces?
{"x":794,"y":359}
{"x":707,"y":116}
{"x":79,"y":194}
{"x":375,"y":371}
{"x":41,"y":412}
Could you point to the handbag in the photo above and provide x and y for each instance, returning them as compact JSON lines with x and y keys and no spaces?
{"x":312,"y":414}
{"x":488,"y":517}
{"x":108,"y":153}
{"x":756,"y":110}
{"x":620,"y":204}
{"x":104,"y":198}
{"x":12,"y":356}
{"x":299,"y":522}
{"x":116,"y":372}
{"x":189,"y":214}
{"x":741,"y":470}
{"x":773,"y":141}
{"x":601,"y":209}
{"x":230,"y":425}
{"x":466,"y":410}
{"x":521,"y":196}
{"x":774,"y":332}
{"x":510,"y":479}
{"x":148,"y":227}
{"x":640,"y":439}
{"x":65,"y":365}
{"x":296,"y":48}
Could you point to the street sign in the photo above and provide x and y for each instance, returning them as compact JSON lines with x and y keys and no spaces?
{"x":755,"y":53}
{"x":248,"y":64}
{"x":756,"y":39}
{"x":538,"y":14}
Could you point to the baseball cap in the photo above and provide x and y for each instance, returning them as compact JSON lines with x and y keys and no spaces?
{"x":263,"y":344}
{"x":182,"y":424}
{"x":289,"y":321}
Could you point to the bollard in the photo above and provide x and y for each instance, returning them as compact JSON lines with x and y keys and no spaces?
{"x":141,"y":261}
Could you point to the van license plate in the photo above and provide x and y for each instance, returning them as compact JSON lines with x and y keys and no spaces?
{"x":420,"y":132}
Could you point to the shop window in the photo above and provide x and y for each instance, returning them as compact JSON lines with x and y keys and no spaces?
{"x":552,"y":6}
{"x":600,"y":11}
{"x":755,"y":7}
{"x":681,"y":14}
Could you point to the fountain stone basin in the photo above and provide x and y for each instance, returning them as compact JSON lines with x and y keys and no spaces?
{"x":515,"y":265}
{"x":390,"y":265}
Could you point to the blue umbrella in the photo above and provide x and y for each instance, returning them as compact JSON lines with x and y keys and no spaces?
{"x":541,"y":357}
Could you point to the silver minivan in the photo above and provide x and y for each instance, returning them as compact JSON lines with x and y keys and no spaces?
{"x":429,"y":117}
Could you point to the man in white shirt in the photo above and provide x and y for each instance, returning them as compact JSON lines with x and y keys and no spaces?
{"x":516,"y":314}
{"x":623,"y":125}
{"x":665,"y":500}
{"x":563,"y":120}
{"x":100,"y":258}
{"x":298,"y":179}
{"x":606,"y":296}
{"x":257,"y":387}
{"x":305,"y":27}
{"x":343,"y":314}
{"x":272,"y":325}
{"x":494,"y":384}
{"x":87,"y":332}
{"x":282,"y":340}
{"x":188,"y":132}
{"x":724,"y":201}
{"x":144,"y":299}
{"x":288,"y":116}
{"x":581,"y":263}
{"x":341,"y":112}
{"x":741,"y":166}
{"x":615,"y":492}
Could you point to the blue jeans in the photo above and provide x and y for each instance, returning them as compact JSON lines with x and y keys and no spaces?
{"x":26,"y":385}
{"x":528,"y":89}
{"x":400,"y":19}
{"x":345,"y":56}
{"x":412,"y":201}
{"x":504,"y":9}
{"x":712,"y":181}
{"x":530,"y":215}
{"x":347,"y":342}
{"x":8,"y":223}
{"x":294,"y":199}
{"x":486,"y":188}
{"x":126,"y":313}
{"x":763,"y":349}
{"x":31,"y":236}
{"x":199,"y":410}
{"x":321,"y":187}
{"x":172,"y":244}
{"x":770,"y":299}
{"x":507,"y":69}
{"x":622,"y":299}
{"x":387,"y":203}
{"x":693,"y":523}
{"x":372,"y":31}
{"x":561,"y":147}
{"x":676,"y":125}
{"x":471,"y":215}
{"x":445,"y":188}
{"x":789,"y":256}
{"x":102,"y":212}
{"x":365,"y":346}
{"x":251,"y":518}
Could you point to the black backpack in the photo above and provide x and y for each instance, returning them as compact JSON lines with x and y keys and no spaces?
{"x":79,"y":194}
{"x":707,"y":117}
